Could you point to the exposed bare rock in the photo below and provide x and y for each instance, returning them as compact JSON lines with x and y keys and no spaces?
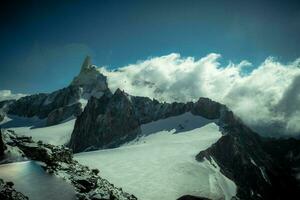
{"x":60,"y":114}
{"x":105,"y":122}
{"x":242,"y":157}
{"x":59,"y":161}
{"x":41,"y":105}
{"x":2,"y":145}
{"x":90,"y":80}
{"x":207,"y":108}
{"x":7,"y":192}
{"x":2,"y":116}
{"x":115,"y":119}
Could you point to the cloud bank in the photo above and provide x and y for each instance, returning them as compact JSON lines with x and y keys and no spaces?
{"x":8,"y":95}
{"x":267,"y":98}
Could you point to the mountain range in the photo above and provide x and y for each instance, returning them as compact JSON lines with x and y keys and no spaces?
{"x":219,"y":155}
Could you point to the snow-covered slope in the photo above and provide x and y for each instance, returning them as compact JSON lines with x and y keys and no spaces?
{"x":57,"y":134}
{"x":161,"y":164}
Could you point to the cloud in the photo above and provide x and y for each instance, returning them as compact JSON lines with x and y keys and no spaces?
{"x":267,"y":98}
{"x":7,"y":95}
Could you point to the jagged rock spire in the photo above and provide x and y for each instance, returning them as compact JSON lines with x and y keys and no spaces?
{"x":86,"y":63}
{"x":90,"y":80}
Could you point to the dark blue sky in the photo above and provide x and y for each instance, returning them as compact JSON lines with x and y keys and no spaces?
{"x":43,"y":43}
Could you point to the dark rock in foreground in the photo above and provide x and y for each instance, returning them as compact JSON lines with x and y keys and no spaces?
{"x":59,"y":161}
{"x":7,"y":192}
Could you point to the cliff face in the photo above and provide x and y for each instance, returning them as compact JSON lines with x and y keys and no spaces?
{"x":251,"y":162}
{"x":2,"y":145}
{"x":92,"y":82}
{"x":106,"y":122}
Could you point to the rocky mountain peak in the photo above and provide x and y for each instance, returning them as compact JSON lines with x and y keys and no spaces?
{"x":87,"y":63}
{"x":92,"y":82}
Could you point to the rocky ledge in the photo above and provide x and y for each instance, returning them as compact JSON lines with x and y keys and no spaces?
{"x":7,"y":192}
{"x":58,"y":160}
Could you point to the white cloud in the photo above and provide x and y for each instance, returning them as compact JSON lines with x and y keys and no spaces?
{"x":7,"y":95}
{"x":267,"y":99}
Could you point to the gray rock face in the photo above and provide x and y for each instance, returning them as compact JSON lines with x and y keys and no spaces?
{"x":245,"y":158}
{"x":207,"y":108}
{"x":7,"y":192}
{"x":2,"y":115}
{"x":2,"y":145}
{"x":148,"y":110}
{"x":60,"y":114}
{"x":58,"y":161}
{"x":106,"y":122}
{"x":4,"y":107}
{"x":41,"y":105}
{"x":90,"y":80}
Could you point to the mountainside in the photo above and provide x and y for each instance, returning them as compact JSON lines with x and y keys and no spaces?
{"x":259,"y":168}
{"x":61,"y":104}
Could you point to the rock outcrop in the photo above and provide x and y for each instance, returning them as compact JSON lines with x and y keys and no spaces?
{"x":41,"y":105}
{"x":2,"y":145}
{"x":4,"y":107}
{"x":242,"y":157}
{"x":7,"y":192}
{"x":92,"y":82}
{"x":106,"y":122}
{"x":60,"y":114}
{"x":2,"y":115}
{"x":59,"y":161}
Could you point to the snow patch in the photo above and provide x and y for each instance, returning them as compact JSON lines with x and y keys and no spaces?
{"x":57,"y":135}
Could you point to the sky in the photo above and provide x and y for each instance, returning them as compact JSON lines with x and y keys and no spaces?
{"x":43,"y":43}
